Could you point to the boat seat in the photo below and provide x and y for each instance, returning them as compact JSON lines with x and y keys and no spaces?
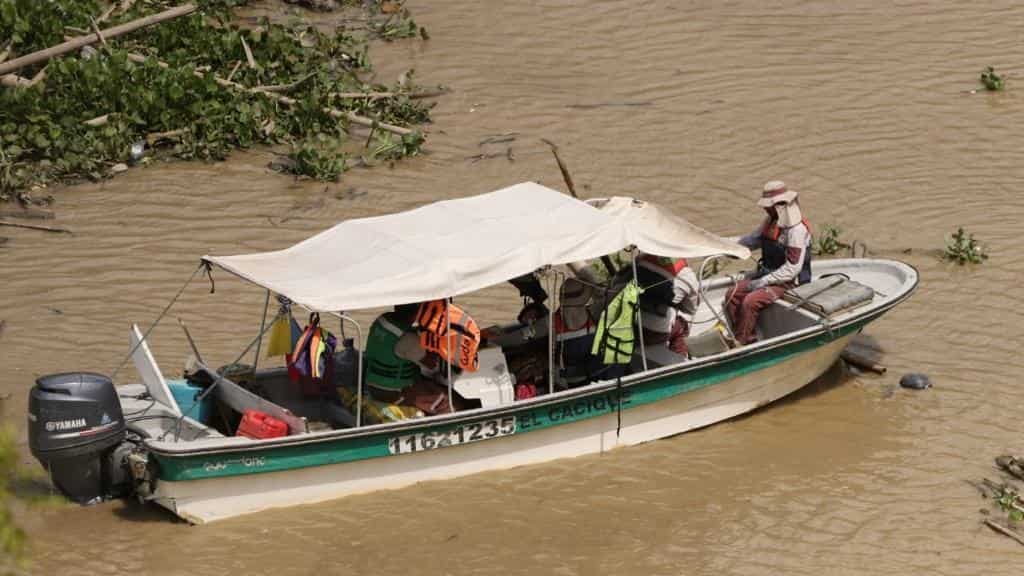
{"x":829,"y":295}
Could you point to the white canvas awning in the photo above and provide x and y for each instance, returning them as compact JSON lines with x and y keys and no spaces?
{"x":655,"y":230}
{"x":450,"y":248}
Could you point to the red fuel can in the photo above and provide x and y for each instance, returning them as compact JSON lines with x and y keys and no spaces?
{"x":258,"y":425}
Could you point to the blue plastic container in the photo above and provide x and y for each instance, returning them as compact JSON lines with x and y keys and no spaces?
{"x":185,"y":395}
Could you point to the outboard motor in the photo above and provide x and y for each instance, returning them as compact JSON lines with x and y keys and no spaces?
{"x":75,"y":428}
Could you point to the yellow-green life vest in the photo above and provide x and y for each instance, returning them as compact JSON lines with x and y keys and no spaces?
{"x":613,"y":343}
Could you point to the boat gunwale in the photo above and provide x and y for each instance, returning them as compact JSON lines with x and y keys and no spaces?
{"x":864,"y":315}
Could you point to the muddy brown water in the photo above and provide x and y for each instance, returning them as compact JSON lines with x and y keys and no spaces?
{"x":862,"y":106}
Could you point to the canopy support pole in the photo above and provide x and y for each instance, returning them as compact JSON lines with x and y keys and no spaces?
{"x":263,"y":324}
{"x":639,"y":314}
{"x":451,"y":353}
{"x":342,"y":317}
{"x":551,"y":333}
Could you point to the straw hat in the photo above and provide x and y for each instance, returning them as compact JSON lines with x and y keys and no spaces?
{"x":775,"y":192}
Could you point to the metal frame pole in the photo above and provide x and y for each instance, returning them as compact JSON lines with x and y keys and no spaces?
{"x":263,"y":323}
{"x":551,"y":333}
{"x":639,"y":315}
{"x":359,"y":367}
{"x":448,"y":335}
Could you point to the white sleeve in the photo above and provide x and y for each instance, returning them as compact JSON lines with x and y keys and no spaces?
{"x":684,"y":290}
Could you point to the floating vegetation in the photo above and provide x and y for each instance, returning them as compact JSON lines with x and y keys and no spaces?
{"x":193,"y":87}
{"x":962,"y":248}
{"x":992,"y":81}
{"x":1007,"y":498}
{"x":319,"y":158}
{"x":828,"y":242}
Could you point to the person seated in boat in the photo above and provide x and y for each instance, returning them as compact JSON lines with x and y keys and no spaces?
{"x":784,"y":238}
{"x":388,"y":373}
{"x":575,"y":326}
{"x":668,"y":301}
{"x":531,"y":328}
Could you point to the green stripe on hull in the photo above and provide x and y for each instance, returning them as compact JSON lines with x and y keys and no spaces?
{"x":290,"y":457}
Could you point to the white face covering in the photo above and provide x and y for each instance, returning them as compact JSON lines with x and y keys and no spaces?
{"x":789,"y":215}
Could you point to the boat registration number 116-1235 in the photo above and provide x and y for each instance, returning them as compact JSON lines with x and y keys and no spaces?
{"x":473,"y":432}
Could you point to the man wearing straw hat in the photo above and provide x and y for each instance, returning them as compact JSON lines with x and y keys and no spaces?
{"x":785,"y":242}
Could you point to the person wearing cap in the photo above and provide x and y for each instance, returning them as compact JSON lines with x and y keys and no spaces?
{"x":785,"y":242}
{"x":668,"y":301}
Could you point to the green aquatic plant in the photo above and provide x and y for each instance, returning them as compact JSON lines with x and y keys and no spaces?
{"x":319,"y":158}
{"x":12,"y":537}
{"x":828,"y":242}
{"x":92,"y":106}
{"x":962,"y":248}
{"x":992,"y":81}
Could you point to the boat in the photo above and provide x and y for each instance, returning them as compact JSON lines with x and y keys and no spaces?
{"x":99,"y":441}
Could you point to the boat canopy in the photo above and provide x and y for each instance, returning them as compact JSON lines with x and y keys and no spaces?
{"x":459,"y":246}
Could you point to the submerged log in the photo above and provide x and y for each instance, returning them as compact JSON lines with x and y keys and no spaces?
{"x":861,"y":361}
{"x":76,"y":43}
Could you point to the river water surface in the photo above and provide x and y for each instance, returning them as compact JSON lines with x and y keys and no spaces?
{"x":864,"y":107}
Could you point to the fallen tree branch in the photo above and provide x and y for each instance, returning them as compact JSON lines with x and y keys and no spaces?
{"x":561,"y":167}
{"x":376,"y":95}
{"x":36,"y":227}
{"x":170,"y":134}
{"x":1004,"y":531}
{"x":333,"y":112}
{"x":76,"y":43}
{"x":97,"y":121}
{"x":248,"y":52}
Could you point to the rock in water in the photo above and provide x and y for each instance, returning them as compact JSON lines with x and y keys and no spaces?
{"x":915,"y":381}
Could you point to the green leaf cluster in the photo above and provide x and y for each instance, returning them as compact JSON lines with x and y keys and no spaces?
{"x":827,"y":241}
{"x":319,"y":158}
{"x":962,"y":248}
{"x":992,"y":81}
{"x":43,"y":137}
{"x":12,"y":537}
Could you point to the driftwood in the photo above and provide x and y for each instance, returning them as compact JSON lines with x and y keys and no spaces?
{"x":1012,"y":466}
{"x":376,"y":95}
{"x":97,"y":121}
{"x":248,"y":52}
{"x":155,"y":137}
{"x":561,"y":166}
{"x":333,"y":112}
{"x":1004,"y":531}
{"x":76,"y":43}
{"x":36,"y":227}
{"x":861,"y":361}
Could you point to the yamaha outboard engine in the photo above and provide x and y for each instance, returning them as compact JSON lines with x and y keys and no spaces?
{"x":75,"y":427}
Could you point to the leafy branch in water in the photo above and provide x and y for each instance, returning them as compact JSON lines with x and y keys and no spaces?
{"x":992,"y":81}
{"x":962,"y":248}
{"x":319,"y":158}
{"x":178,"y":88}
{"x":828,"y":241}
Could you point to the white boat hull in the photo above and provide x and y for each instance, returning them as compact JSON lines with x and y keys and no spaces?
{"x":205,"y":500}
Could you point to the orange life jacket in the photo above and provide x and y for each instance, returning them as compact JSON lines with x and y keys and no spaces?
{"x":464,"y":337}
{"x":667,"y":267}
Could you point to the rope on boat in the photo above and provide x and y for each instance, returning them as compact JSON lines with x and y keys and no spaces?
{"x":209,"y":389}
{"x":202,"y":265}
{"x":618,"y":402}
